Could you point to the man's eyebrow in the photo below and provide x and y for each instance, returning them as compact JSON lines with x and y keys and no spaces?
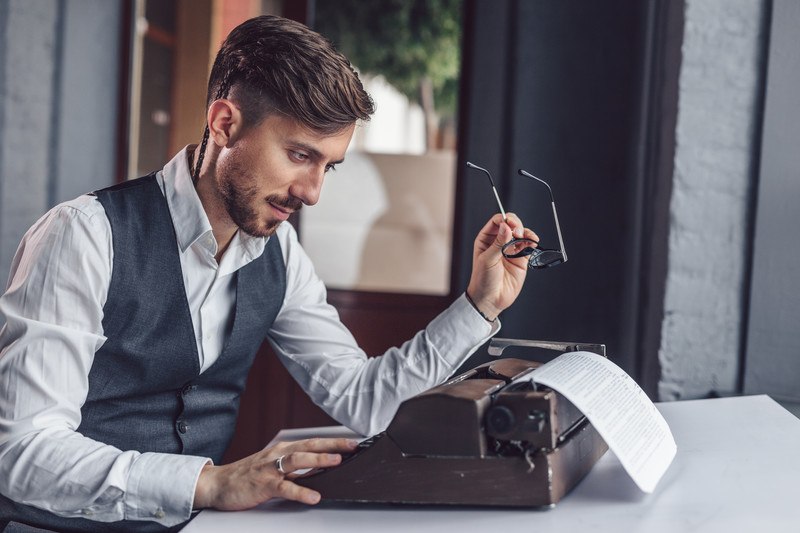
{"x":316,"y":154}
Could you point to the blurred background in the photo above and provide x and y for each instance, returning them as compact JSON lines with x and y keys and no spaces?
{"x":667,"y":129}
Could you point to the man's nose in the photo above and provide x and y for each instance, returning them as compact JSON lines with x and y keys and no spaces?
{"x":307,"y":189}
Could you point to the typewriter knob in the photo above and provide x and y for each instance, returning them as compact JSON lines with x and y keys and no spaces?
{"x":500,"y":420}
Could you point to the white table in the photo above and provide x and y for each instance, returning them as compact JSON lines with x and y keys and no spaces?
{"x":737,"y":469}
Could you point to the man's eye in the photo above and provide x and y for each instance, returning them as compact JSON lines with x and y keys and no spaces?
{"x":300,"y":156}
{"x":330,"y":167}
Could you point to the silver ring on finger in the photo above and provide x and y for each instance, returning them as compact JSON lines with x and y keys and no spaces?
{"x":279,"y":465}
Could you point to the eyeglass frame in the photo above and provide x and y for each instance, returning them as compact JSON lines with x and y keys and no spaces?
{"x":515,"y":240}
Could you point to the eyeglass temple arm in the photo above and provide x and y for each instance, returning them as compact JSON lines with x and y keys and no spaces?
{"x":496,"y":346}
{"x":558,"y":230}
{"x":527,"y":174}
{"x":494,"y":189}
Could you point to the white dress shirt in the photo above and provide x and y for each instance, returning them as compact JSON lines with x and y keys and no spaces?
{"x":53,"y":311}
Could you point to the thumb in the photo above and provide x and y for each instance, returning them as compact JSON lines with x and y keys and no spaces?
{"x":503,"y":236}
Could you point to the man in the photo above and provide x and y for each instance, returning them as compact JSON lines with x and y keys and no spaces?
{"x":133,"y":314}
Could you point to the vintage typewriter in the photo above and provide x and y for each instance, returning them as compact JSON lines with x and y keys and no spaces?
{"x":486,"y":437}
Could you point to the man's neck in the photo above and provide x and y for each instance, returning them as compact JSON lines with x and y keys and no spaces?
{"x":222,"y":226}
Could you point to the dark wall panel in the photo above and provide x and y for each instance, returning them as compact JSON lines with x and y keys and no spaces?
{"x":566,"y":105}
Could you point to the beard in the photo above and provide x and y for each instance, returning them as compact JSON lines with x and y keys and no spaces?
{"x":240,"y":196}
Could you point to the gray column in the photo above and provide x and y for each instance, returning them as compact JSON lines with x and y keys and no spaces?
{"x":27,"y":75}
{"x":59,"y":99}
{"x":88,"y":98}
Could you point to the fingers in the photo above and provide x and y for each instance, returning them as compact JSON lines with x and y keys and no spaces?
{"x":291,"y":491}
{"x":303,"y":460}
{"x":309,"y":454}
{"x":518,"y":229}
{"x":319,"y":445}
{"x":498,"y":232}
{"x":529,"y":234}
{"x":495,"y":231}
{"x":257,"y":478}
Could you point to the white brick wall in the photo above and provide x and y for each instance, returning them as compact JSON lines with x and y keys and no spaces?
{"x":719,"y":81}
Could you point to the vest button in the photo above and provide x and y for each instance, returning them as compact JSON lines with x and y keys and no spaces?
{"x":182,"y":426}
{"x":187,"y":389}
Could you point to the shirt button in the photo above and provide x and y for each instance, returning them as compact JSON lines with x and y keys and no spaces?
{"x":182,"y":426}
{"x":159,"y":513}
{"x":87,"y":512}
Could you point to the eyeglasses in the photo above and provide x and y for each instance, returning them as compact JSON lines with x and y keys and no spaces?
{"x":538,"y":257}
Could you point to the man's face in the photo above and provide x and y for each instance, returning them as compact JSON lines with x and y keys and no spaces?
{"x":274,"y":168}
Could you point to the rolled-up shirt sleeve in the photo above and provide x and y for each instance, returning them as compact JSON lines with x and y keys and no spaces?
{"x":53,"y":311}
{"x":362,"y":392}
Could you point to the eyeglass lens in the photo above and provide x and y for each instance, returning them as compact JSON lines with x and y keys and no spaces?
{"x":537,"y":257}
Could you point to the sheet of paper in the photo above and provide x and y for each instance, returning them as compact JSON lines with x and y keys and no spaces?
{"x":618,"y":408}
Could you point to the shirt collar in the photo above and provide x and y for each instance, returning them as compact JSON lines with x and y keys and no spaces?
{"x":190,"y":219}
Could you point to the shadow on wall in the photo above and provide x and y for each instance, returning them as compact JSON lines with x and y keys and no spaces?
{"x":385,"y":223}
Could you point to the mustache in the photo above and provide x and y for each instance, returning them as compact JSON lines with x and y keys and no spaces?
{"x":286,"y":202}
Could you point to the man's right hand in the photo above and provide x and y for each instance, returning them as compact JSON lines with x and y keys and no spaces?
{"x":256,"y":479}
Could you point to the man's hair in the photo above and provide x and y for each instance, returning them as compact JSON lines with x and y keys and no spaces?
{"x":269,"y":64}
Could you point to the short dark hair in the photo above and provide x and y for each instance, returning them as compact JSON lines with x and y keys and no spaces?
{"x":270,"y":64}
{"x":277,"y":64}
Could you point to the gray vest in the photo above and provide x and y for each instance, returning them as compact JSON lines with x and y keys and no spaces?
{"x":146,"y":392}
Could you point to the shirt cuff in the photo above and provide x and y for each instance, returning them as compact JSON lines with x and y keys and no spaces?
{"x":161,"y":487}
{"x":461,"y":330}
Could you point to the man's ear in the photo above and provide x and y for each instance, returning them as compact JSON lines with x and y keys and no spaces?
{"x":224,"y":122}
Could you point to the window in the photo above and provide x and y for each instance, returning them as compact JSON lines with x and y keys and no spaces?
{"x":385,"y":219}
